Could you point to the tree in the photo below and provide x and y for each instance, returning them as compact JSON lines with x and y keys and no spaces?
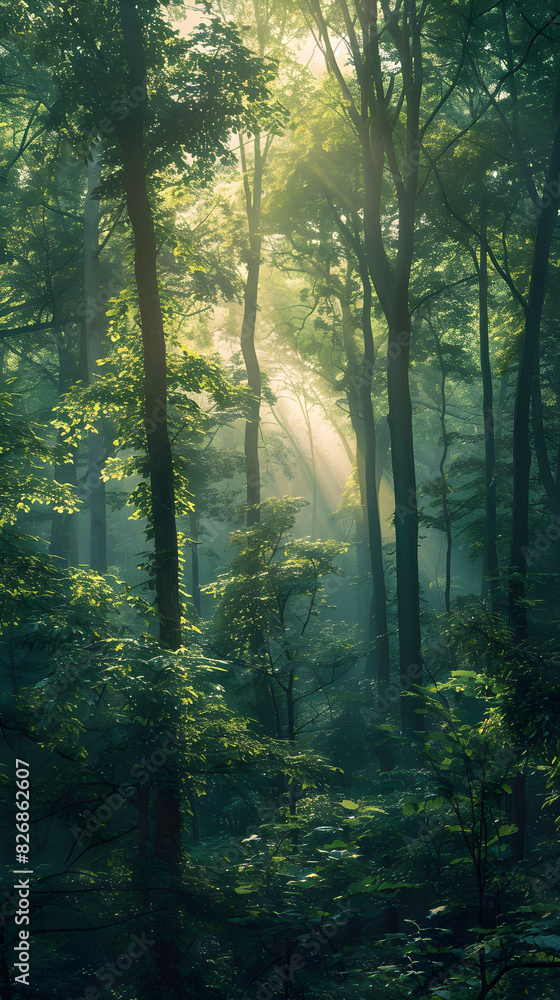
{"x":366,"y":102}
{"x":131,"y":143}
{"x":316,"y":195}
{"x":94,"y":322}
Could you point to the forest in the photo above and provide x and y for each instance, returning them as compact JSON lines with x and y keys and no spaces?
{"x":279,"y":499}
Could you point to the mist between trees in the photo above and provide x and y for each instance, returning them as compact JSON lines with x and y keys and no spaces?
{"x":280,"y":497}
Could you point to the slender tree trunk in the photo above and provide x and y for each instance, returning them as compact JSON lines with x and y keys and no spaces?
{"x":195,"y":585}
{"x":253,"y":206}
{"x":392,"y":289}
{"x":528,"y":367}
{"x":253,"y":195}
{"x":362,"y":544}
{"x":143,"y":820}
{"x":160,"y":462}
{"x":94,"y":323}
{"x":378,"y":665}
{"x":369,"y":525}
{"x":168,"y":850}
{"x":549,"y":481}
{"x":382,"y":445}
{"x":490,"y":584}
{"x":502,"y":397}
{"x":443,"y":480}
{"x":369,"y":117}
{"x":406,"y":515}
{"x":314,"y":485}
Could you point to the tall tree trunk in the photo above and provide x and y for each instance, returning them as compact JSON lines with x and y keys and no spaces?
{"x":253,"y":207}
{"x":160,"y":461}
{"x":502,"y":398}
{"x":362,"y":543}
{"x":369,"y":117}
{"x":160,"y":464}
{"x":195,"y":584}
{"x":253,"y":196}
{"x":382,"y":445}
{"x":527,"y":372}
{"x":443,"y":480}
{"x":368,"y":526}
{"x":392,"y":290}
{"x":378,"y":665}
{"x":94,"y":323}
{"x":406,"y":515}
{"x":528,"y":367}
{"x":490,"y":583}
{"x":168,"y":850}
{"x":549,"y":481}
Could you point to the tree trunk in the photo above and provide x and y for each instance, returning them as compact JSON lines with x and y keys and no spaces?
{"x":378,"y":665}
{"x":443,"y":480}
{"x":362,"y":545}
{"x":168,"y":850}
{"x":368,"y":525}
{"x":406,"y":515}
{"x":263,"y":698}
{"x":528,"y":367}
{"x":195,"y":584}
{"x":253,"y":206}
{"x":548,"y":480}
{"x":392,"y":290}
{"x":160,"y":462}
{"x":314,"y":485}
{"x":382,"y":445}
{"x":490,"y":583}
{"x":94,"y":323}
{"x":502,"y":397}
{"x":371,"y":121}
